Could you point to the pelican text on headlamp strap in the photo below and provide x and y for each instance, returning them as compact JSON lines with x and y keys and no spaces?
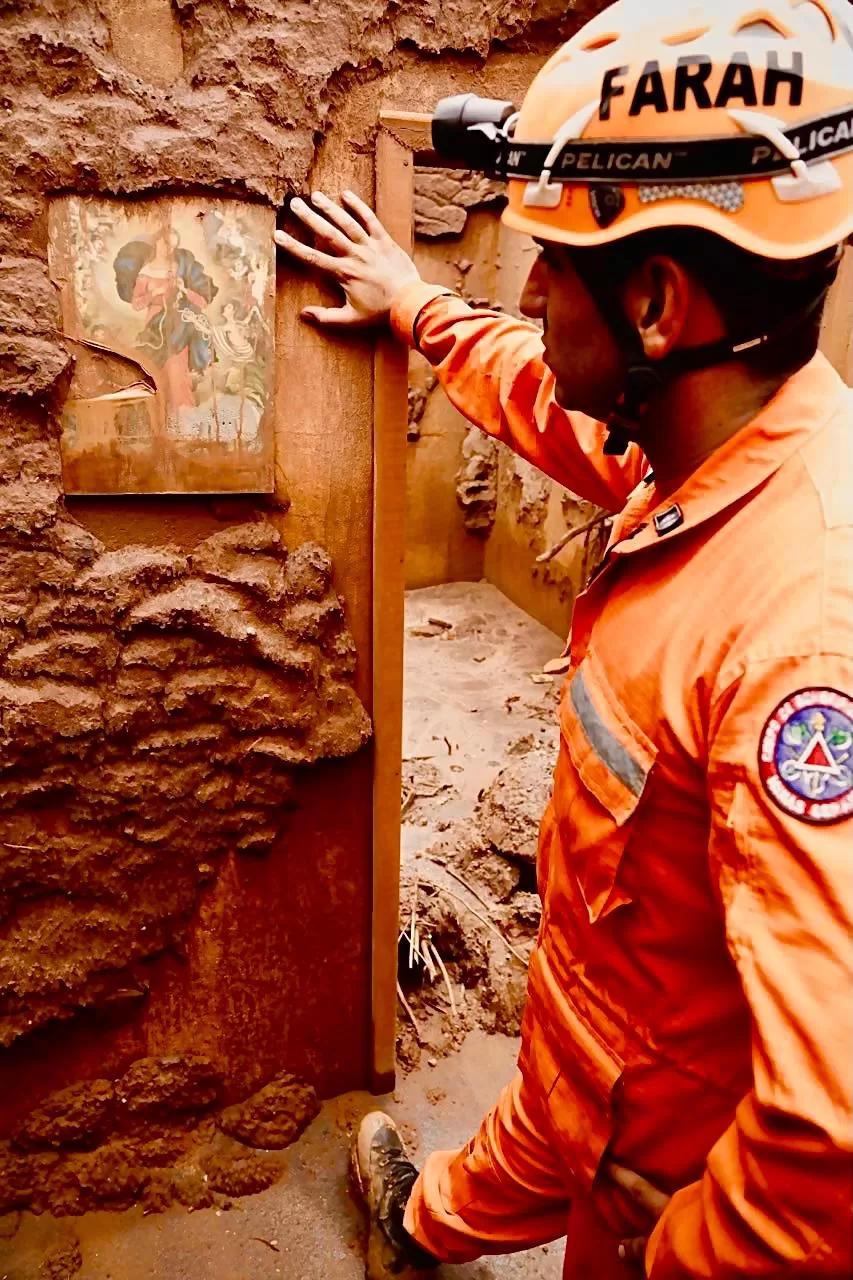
{"x":709,"y":159}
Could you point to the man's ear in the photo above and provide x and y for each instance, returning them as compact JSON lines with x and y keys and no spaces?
{"x":657,"y":301}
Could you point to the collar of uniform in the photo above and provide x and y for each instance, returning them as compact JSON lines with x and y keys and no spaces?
{"x":634,"y":515}
{"x":798,"y":410}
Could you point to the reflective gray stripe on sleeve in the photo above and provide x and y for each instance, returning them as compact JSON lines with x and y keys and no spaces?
{"x":604,"y":743}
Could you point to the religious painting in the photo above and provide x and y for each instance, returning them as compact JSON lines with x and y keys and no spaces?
{"x":167,"y":305}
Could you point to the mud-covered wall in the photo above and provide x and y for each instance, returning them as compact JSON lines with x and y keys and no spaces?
{"x":450,"y":498}
{"x":474,"y":509}
{"x":154,"y":711}
{"x":533,"y":514}
{"x":185,"y":797}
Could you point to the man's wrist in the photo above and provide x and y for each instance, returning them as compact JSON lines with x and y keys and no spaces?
{"x":408,"y":305}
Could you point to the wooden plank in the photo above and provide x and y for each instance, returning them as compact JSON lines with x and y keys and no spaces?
{"x":412,"y":129}
{"x":394,"y":206}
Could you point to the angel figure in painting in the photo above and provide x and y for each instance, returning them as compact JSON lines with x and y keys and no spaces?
{"x":238,"y":341}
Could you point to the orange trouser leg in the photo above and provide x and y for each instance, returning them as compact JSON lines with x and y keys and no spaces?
{"x":504,"y":1191}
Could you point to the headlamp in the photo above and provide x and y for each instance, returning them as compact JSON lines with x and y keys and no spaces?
{"x":474,"y":132}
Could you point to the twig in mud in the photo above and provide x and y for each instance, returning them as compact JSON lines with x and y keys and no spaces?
{"x":414,"y":795}
{"x":413,"y":929}
{"x":404,"y":1002}
{"x":26,"y":848}
{"x":271,"y":1244}
{"x":493,"y":928}
{"x":462,"y":881}
{"x":446,"y":977}
{"x":570,"y":535}
{"x":426,"y":946}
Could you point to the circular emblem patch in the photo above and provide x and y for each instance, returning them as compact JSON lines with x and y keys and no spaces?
{"x":806,"y":755}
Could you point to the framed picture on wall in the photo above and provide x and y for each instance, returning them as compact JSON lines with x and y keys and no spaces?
{"x":168,"y":307}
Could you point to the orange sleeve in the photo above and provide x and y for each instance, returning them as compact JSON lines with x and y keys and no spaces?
{"x":491,"y":367}
{"x":775,"y":1199}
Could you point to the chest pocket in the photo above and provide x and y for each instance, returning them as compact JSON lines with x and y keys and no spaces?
{"x":604,"y":767}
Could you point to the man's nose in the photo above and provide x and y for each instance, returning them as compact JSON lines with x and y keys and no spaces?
{"x":534,"y":296}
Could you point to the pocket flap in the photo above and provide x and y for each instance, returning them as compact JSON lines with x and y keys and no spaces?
{"x":608,"y":758}
{"x":610,"y":752}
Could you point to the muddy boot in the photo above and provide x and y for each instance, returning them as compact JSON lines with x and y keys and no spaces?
{"x":384,"y":1176}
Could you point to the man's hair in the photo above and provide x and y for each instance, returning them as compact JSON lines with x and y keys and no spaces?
{"x":755,"y":295}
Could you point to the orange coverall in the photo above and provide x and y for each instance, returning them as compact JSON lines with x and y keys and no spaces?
{"x":690,"y":997}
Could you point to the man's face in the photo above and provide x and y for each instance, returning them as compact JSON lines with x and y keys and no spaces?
{"x":579,"y":347}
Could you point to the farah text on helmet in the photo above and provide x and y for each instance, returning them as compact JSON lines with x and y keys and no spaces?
{"x":692,"y":85}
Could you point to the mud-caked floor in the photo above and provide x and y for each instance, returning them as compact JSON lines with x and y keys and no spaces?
{"x":479,"y":743}
{"x":307,"y":1227}
{"x":476,"y":700}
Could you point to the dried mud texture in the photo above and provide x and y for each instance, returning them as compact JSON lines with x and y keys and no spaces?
{"x":420,"y":391}
{"x":511,"y":809}
{"x":80,"y":1116}
{"x":52,"y":1252}
{"x":477,"y":483}
{"x":530,"y":491}
{"x":63,"y":1261}
{"x":250,"y":87}
{"x":160,"y":1087}
{"x":445,"y":197}
{"x":423,"y":790}
{"x":151,"y":1137}
{"x":473,"y":897}
{"x":275,"y":1116}
{"x":155,"y":711}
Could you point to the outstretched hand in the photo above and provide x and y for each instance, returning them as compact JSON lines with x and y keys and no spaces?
{"x":362,"y":259}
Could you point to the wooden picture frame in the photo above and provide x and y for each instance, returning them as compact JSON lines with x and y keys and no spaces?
{"x":168,"y":306}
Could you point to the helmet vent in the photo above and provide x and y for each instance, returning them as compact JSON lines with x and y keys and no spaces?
{"x":763,"y":30}
{"x":600,"y":42}
{"x":764,"y":25}
{"x":686,"y":37}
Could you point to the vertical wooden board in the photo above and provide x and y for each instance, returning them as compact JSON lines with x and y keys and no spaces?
{"x":394,"y":202}
{"x":324,"y":469}
{"x":324,"y":412}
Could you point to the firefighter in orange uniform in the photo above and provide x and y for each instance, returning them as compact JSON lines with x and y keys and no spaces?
{"x":683,"y":1097}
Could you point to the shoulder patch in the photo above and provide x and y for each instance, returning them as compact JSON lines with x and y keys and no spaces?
{"x":805,"y":757}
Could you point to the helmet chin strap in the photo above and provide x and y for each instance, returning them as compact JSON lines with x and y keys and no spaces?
{"x":644,"y":378}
